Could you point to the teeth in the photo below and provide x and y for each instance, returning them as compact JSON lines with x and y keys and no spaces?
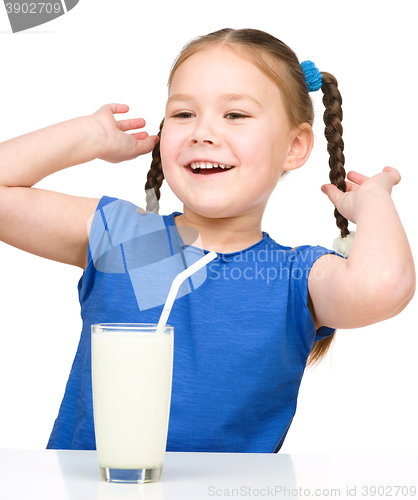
{"x":195,"y":165}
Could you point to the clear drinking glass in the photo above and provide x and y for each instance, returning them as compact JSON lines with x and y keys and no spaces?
{"x":132,"y":369}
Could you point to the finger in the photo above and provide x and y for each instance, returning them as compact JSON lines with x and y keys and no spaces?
{"x":116,"y":108}
{"x":356,"y":177}
{"x":140,"y":136}
{"x":395,"y":173}
{"x":333,"y":193}
{"x":131,"y":124}
{"x":147,"y":145}
{"x":349,"y":186}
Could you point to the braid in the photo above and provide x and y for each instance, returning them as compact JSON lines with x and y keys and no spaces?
{"x":155,"y":178}
{"x":333,"y":116}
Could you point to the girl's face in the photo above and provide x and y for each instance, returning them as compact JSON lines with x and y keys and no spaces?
{"x":222,"y":109}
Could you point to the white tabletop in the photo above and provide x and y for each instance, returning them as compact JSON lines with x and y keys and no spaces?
{"x":73,"y":475}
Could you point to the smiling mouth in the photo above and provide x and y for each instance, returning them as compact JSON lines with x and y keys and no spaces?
{"x":208,"y":168}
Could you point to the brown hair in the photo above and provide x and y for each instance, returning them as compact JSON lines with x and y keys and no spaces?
{"x":279,"y":63}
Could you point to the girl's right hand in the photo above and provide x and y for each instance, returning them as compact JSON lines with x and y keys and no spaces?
{"x":50,"y":224}
{"x":117,"y":145}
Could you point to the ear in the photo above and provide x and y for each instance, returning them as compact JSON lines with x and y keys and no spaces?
{"x":301,"y":144}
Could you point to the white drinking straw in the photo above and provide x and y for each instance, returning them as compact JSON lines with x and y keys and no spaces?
{"x":178,"y":280}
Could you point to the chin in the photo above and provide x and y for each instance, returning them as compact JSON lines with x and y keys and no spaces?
{"x":212,"y":211}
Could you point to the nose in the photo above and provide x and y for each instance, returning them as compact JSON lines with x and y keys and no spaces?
{"x":205,"y":133}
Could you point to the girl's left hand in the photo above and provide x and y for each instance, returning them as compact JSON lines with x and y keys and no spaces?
{"x":359,"y":188}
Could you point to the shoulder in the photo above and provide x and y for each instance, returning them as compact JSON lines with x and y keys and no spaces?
{"x":297,"y":266}
{"x":117,"y":222}
{"x":305,"y":252}
{"x":115,"y":215}
{"x":302,"y":259}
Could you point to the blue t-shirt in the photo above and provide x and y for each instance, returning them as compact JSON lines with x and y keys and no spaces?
{"x":242,"y":331}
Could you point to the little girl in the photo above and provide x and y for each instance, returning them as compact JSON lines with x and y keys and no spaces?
{"x":238,"y":117}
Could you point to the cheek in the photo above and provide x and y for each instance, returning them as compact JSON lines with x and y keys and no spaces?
{"x":172,"y":142}
{"x":252,"y":148}
{"x":167,"y":147}
{"x":168,"y":154}
{"x":244,"y":145}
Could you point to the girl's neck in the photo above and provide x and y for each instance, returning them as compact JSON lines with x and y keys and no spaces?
{"x":226,"y":235}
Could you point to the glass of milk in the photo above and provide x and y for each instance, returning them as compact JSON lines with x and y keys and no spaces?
{"x":132,"y":368}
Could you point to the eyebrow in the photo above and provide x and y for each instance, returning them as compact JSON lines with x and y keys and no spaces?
{"x":226,"y":97}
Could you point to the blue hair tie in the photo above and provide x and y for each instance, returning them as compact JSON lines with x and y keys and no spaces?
{"x":313,"y":76}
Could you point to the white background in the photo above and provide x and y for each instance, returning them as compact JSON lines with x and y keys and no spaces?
{"x":363,"y":397}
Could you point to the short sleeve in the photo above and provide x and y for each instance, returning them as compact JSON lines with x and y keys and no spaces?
{"x":301,"y":261}
{"x":142,"y":247}
{"x":120,"y":238}
{"x":98,"y":228}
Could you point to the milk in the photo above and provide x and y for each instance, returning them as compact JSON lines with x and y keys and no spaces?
{"x":132,"y":375}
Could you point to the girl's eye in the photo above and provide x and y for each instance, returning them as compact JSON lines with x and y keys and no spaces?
{"x":235,"y":116}
{"x":183,"y":114}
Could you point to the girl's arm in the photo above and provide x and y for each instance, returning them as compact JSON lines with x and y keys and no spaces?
{"x":49,"y":224}
{"x":377,"y":280}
